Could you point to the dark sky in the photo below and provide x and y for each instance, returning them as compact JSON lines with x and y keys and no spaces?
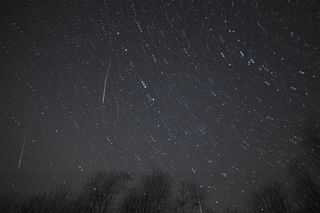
{"x":214,"y":91}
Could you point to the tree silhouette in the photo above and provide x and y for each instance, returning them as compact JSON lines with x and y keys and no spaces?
{"x":311,"y":143}
{"x":190,"y":198}
{"x":269,"y":198}
{"x":8,"y":202}
{"x":100,"y":192}
{"x":306,"y":189}
{"x":152,"y":195}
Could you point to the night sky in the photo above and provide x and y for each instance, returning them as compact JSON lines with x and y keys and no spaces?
{"x":211,"y":91}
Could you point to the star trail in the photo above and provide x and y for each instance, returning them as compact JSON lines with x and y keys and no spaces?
{"x":213,"y":91}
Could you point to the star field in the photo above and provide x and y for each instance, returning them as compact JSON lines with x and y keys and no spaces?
{"x":214,"y":91}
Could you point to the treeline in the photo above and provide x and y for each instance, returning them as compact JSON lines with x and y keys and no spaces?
{"x":155,"y":192}
{"x":115,"y":192}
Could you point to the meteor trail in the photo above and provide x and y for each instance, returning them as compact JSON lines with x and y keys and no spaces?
{"x":22,"y":150}
{"x":105,"y":81}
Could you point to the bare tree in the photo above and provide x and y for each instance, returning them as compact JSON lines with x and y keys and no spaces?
{"x":306,"y":190}
{"x":152,"y":196}
{"x":191,"y":198}
{"x":269,"y":198}
{"x":311,"y":143}
{"x":100,"y":192}
{"x":8,"y":202}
